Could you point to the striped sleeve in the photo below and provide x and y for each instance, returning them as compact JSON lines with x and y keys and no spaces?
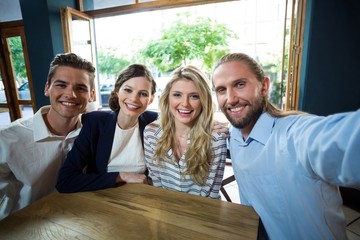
{"x":150,"y":141}
{"x":213,"y":183}
{"x":172,"y":175}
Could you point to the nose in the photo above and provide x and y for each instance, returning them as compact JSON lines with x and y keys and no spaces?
{"x":70,"y":93}
{"x":134,"y":96}
{"x":231,"y":97}
{"x":185,"y":101}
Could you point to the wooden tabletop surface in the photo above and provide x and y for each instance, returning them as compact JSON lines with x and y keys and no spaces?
{"x":132,"y":211}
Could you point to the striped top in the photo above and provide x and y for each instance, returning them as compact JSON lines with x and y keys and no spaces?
{"x":171,"y":174}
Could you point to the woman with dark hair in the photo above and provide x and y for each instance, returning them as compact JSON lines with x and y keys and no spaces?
{"x":108,"y":150}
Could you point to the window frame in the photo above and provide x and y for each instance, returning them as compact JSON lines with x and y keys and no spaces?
{"x":13,"y":101}
{"x":144,"y":6}
{"x":297,"y":19}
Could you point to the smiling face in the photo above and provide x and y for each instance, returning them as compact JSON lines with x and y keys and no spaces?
{"x":134,"y":96}
{"x":240,"y":94}
{"x":69,"y":92}
{"x":184,"y":102}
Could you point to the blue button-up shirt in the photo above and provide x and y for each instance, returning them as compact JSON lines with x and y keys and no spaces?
{"x":289,"y":168}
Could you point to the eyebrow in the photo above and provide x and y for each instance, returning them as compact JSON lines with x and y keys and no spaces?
{"x":240,"y":79}
{"x":176,"y":91}
{"x":82,"y":85}
{"x":191,"y":93}
{"x":125,"y":85}
{"x":66,"y":83}
{"x":59,"y":81}
{"x":141,"y":90}
{"x":232,"y":82}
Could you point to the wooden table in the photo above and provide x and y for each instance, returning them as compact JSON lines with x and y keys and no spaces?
{"x":132,"y":211}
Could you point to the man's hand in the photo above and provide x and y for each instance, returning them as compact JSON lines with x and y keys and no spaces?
{"x":221,"y":128}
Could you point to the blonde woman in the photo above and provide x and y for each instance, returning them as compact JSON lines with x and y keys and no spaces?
{"x":181,"y":151}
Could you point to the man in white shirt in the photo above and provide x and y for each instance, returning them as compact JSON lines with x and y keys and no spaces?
{"x":32,"y":150}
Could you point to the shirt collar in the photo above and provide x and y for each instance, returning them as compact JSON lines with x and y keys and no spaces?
{"x":260,"y":132}
{"x":41,"y":131}
{"x":263,"y":128}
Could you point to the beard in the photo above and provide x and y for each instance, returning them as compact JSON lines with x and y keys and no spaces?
{"x":256,"y":110}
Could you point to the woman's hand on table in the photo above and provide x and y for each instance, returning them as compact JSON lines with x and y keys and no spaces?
{"x":131,"y":178}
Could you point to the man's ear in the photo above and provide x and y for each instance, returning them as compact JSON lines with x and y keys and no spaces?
{"x":265,"y":86}
{"x":92,"y":95}
{"x":46,"y":91}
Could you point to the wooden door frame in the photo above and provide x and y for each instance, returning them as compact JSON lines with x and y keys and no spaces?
{"x":14,"y":29}
{"x":67,"y":15}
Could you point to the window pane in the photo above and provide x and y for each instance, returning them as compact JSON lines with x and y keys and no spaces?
{"x":18,"y":61}
{"x":4,"y":117}
{"x":4,"y":112}
{"x":81,"y":43}
{"x":98,"y":4}
{"x":27,"y":111}
{"x":258,"y":25}
{"x":2,"y":92}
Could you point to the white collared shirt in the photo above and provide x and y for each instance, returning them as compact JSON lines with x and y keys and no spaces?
{"x":30,"y":158}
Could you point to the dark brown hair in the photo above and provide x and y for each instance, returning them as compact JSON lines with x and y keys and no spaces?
{"x":74,"y":61}
{"x":131,"y":71}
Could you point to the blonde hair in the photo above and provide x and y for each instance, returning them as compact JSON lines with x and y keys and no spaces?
{"x":199,"y":154}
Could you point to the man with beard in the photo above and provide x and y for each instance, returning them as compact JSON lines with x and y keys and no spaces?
{"x":288,"y":165}
{"x":32,"y":150}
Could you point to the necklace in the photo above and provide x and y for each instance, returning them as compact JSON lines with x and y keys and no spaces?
{"x":180,"y":148}
{"x":127,"y":126}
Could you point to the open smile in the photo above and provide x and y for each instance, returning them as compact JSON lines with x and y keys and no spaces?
{"x":184,"y":113}
{"x":237,"y":109}
{"x":131,"y":106}
{"x":69,"y":104}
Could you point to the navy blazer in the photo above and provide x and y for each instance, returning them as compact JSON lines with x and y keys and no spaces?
{"x":85,"y":168}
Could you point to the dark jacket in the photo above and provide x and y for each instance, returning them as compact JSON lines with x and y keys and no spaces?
{"x":85,"y":168}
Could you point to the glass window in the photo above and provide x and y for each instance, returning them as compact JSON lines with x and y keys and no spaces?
{"x":256,"y":27}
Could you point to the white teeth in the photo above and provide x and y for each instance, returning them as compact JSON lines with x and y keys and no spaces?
{"x":235,"y":109}
{"x":68,"y":103}
{"x":184,"y":111}
{"x":131,"y":106}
